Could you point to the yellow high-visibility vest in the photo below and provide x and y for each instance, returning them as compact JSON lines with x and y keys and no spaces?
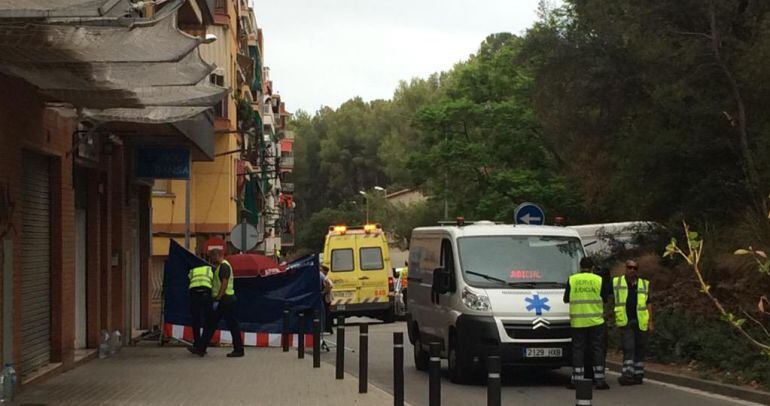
{"x":586,"y":308}
{"x":230,"y":290}
{"x":620,"y":288}
{"x":201,"y":277}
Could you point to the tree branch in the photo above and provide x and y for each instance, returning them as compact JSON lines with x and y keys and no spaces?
{"x":749,"y":167}
{"x":757,"y":322}
{"x":695,"y":34}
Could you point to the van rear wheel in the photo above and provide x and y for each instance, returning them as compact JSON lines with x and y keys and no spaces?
{"x":420,"y":355}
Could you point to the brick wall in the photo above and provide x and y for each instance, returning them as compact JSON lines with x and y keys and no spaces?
{"x":26,"y":124}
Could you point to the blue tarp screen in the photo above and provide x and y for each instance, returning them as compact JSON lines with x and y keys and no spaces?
{"x":260,"y":300}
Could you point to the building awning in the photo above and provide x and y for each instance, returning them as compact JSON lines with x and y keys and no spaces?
{"x":63,"y":8}
{"x":161,"y":126}
{"x":111,"y":64}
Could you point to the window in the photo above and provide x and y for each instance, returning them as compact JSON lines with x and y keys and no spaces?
{"x":220,"y":109}
{"x":448,"y":263}
{"x":371,"y":259}
{"x":526,"y":259}
{"x":161,"y":187}
{"x":342,"y":260}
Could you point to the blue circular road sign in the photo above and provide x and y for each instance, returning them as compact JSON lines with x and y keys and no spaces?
{"x":529,"y":213}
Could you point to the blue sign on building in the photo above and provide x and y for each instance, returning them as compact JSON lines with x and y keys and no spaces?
{"x":162,"y":163}
{"x":529,"y":213}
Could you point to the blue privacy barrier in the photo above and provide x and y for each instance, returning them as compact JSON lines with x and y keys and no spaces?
{"x":260,"y":301}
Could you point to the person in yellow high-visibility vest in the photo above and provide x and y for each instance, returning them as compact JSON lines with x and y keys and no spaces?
{"x":201,"y":281}
{"x":223,"y":294}
{"x":633,"y":315}
{"x":586,"y":294}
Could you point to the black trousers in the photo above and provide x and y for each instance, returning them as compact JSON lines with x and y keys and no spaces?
{"x":327,"y":317}
{"x":588,"y":359}
{"x":200,"y":310}
{"x":226,"y":310}
{"x":588,"y":340}
{"x":634,"y":343}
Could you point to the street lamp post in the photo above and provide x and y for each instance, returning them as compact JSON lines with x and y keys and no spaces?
{"x":366,"y":196}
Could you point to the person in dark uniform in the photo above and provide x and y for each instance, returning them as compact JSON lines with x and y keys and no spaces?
{"x":604,"y":272}
{"x":223,"y":292}
{"x":586,"y":294}
{"x":633,"y":316}
{"x":326,"y":292}
{"x":201,"y":281}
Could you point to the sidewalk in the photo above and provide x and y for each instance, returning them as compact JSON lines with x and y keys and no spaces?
{"x":151,"y":375}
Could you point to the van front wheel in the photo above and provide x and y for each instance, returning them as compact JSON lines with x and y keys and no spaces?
{"x":460,"y":363}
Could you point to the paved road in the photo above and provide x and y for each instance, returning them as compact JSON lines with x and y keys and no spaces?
{"x":519,"y":387}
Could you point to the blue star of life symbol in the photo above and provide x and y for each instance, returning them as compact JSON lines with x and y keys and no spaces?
{"x":537,"y":304}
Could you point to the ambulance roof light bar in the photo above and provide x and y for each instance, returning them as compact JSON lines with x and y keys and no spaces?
{"x":459,"y":221}
{"x":338,"y":229}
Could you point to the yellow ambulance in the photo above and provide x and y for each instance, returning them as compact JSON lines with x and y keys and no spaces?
{"x":359,"y":268}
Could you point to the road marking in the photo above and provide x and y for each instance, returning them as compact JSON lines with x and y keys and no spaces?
{"x":697,"y":392}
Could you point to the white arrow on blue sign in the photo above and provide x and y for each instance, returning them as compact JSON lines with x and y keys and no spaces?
{"x":529,"y":213}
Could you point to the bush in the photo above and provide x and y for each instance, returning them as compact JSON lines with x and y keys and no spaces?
{"x":681,"y":337}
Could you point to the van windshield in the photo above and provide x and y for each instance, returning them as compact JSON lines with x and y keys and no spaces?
{"x":519,"y":261}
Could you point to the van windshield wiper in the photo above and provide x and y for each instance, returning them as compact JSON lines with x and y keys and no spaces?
{"x":487,"y":277}
{"x":536,"y":284}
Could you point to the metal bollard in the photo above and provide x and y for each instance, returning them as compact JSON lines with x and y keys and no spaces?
{"x":316,"y":341}
{"x":434,"y":372}
{"x":340,"y":373}
{"x":301,"y":336}
{"x":493,"y":381}
{"x":285,"y":333}
{"x":363,"y":358}
{"x":398,"y":369}
{"x":583,"y":392}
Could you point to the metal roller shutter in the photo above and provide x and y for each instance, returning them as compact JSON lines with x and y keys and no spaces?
{"x":36,"y":264}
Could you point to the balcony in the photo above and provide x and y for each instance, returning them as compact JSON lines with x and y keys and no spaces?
{"x":288,"y":135}
{"x":220,"y":6}
{"x":287,"y":162}
{"x":287,"y":187}
{"x":287,"y":240}
{"x":268,"y":120}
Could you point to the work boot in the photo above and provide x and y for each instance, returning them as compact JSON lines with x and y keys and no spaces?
{"x":602,"y":384}
{"x":195,"y":351}
{"x":626,"y":380}
{"x":235,"y":354}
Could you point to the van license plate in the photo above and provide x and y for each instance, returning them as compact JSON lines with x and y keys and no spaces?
{"x":542,"y":353}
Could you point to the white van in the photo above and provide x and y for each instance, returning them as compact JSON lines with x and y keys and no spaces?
{"x":599,"y":240}
{"x":491,"y":289}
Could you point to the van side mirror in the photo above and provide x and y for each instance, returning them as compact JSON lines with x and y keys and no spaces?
{"x":440,"y":281}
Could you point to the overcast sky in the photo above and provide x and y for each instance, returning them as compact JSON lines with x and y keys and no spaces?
{"x":323,"y":52}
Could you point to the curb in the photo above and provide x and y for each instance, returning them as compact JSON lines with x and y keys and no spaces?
{"x":723,"y":389}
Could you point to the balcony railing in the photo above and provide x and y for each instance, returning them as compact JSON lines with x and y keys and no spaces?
{"x":287,"y":240}
{"x":267,"y":119}
{"x":287,"y":162}
{"x":220,"y":6}
{"x":287,"y":187}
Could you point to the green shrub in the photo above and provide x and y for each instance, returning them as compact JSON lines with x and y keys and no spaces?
{"x":681,"y":338}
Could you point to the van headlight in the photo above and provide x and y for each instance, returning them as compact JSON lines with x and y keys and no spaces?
{"x":475,"y":301}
